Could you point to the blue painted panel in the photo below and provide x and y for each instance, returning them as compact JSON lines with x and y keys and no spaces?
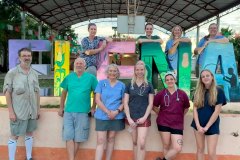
{"x":223,"y":54}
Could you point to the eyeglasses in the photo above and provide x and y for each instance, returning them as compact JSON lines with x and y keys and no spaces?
{"x":26,"y":56}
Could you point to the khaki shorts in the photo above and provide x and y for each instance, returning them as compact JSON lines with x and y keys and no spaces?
{"x":21,"y":127}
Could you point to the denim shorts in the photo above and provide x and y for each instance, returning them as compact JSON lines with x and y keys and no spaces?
{"x":76,"y":126}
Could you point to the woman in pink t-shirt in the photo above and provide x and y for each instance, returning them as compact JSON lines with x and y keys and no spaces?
{"x":171,"y":104}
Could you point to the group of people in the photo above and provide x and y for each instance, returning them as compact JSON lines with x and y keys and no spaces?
{"x":117,"y":104}
{"x":131,"y":104}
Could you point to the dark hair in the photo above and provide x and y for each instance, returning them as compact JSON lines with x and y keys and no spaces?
{"x":148,"y":23}
{"x":207,"y":37}
{"x":24,"y":49}
{"x":91,"y":24}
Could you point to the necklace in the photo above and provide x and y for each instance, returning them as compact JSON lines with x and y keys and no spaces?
{"x":141,"y":90}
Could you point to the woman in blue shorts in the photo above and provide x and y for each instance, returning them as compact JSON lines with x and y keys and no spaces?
{"x":109,"y":114}
{"x":208,"y":102}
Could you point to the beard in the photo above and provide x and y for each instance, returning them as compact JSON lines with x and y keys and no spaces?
{"x":27,"y":62}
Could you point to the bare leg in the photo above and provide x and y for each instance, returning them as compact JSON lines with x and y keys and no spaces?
{"x":166,"y":138}
{"x":176,"y":146}
{"x":70,"y":149}
{"x":76,"y":147}
{"x":110,"y":144}
{"x":212,"y":145}
{"x":141,"y":141}
{"x":134,"y":139}
{"x":200,"y":141}
{"x":101,"y":142}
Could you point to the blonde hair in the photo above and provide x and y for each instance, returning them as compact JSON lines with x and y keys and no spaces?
{"x":172,"y":36}
{"x":199,"y":96}
{"x":114,"y":66}
{"x":145,"y":73}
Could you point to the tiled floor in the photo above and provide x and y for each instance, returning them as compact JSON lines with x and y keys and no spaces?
{"x":88,"y":154}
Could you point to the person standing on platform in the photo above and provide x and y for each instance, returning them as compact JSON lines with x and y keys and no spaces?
{"x":138,"y":103}
{"x":109,"y":114}
{"x":211,"y":37}
{"x":92,"y":48}
{"x":21,"y":88}
{"x":151,"y":60}
{"x":207,"y":105}
{"x":172,"y":45}
{"x":77,"y":88}
{"x":171,"y":104}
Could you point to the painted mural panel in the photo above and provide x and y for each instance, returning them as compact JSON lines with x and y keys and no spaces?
{"x":220,"y":59}
{"x":16,"y":44}
{"x":61,"y":64}
{"x":184,"y":67}
{"x":116,"y":47}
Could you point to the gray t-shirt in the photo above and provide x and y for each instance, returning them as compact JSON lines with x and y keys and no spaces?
{"x":138,"y":99}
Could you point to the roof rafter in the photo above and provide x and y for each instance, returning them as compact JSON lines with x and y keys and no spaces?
{"x":165,"y":13}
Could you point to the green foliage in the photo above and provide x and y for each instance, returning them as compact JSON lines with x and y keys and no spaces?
{"x":236,"y":43}
{"x":32,"y":24}
{"x":70,"y":35}
{"x":11,"y":16}
{"x":227,"y":32}
{"x":235,"y":40}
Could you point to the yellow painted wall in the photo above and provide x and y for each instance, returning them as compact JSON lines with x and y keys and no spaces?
{"x":61,"y":64}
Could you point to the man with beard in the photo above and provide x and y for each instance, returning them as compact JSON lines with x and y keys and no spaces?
{"x":21,"y":89}
{"x":77,"y":87}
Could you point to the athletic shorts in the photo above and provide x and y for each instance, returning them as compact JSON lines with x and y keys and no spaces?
{"x":147,"y":123}
{"x":171,"y":130}
{"x":76,"y":126}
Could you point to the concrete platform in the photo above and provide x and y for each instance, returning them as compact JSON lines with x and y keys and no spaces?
{"x":40,"y":153}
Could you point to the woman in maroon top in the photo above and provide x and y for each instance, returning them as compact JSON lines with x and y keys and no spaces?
{"x":171,"y":104}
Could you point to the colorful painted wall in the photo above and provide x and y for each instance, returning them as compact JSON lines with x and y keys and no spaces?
{"x":15,"y":45}
{"x":61,"y":64}
{"x":220,"y":59}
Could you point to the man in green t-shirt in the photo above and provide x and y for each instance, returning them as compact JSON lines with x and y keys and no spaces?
{"x":151,"y":53}
{"x":77,"y":88}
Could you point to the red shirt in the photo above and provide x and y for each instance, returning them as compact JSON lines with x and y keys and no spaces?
{"x":172,"y":108}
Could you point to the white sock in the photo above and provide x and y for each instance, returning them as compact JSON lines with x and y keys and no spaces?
{"x":28,"y":145}
{"x":12,"y":146}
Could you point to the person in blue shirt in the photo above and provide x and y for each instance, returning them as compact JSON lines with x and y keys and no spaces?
{"x":109,"y":114}
{"x":91,"y":48}
{"x":211,"y":37}
{"x":171,"y":47}
{"x":208,"y":102}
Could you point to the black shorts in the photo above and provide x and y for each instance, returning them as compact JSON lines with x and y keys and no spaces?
{"x":171,"y":130}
